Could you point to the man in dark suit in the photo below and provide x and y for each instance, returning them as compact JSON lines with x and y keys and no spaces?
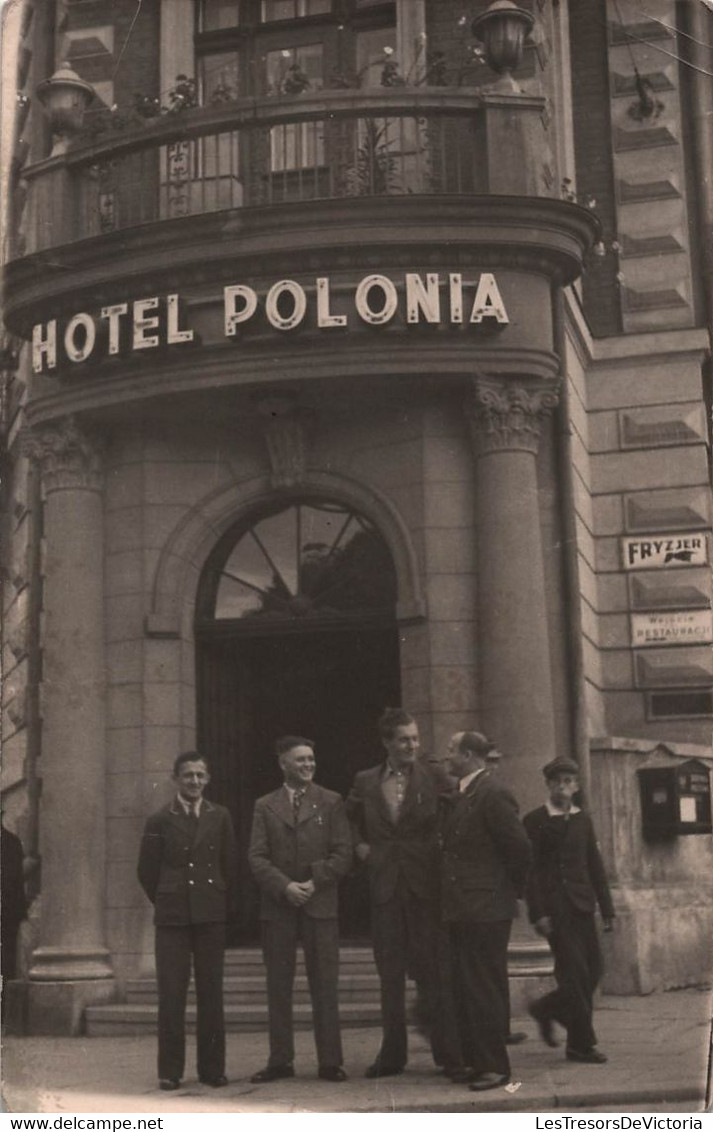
{"x":485,"y":858}
{"x":393,"y":811}
{"x":187,"y":870}
{"x":300,"y":847}
{"x":567,"y":882}
{"x":13,"y":904}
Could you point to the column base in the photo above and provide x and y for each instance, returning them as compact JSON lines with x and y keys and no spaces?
{"x":63,"y":964}
{"x":57,"y":1009}
{"x":530,"y":968}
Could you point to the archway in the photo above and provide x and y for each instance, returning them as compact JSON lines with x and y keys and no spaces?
{"x":295,"y":633}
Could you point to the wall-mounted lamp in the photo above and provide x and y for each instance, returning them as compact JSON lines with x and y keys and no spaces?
{"x":65,"y":97}
{"x":502,"y":29}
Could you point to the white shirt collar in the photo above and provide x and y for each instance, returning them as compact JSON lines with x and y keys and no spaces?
{"x":189,"y":807}
{"x":556,"y":812}
{"x":465,"y":782}
{"x":291,"y":790}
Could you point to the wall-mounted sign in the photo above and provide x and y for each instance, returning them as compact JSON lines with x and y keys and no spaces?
{"x":652,"y":552}
{"x":680,"y":627}
{"x":159,"y":321}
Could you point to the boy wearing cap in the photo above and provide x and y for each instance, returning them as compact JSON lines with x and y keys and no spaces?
{"x":566,"y":883}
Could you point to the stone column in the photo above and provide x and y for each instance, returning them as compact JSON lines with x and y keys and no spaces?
{"x":70,"y":967}
{"x":515,"y":682}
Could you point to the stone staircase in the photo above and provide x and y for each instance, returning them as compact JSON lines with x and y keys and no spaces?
{"x":246,"y":999}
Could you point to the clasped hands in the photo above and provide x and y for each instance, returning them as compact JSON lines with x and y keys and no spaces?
{"x":299,"y":892}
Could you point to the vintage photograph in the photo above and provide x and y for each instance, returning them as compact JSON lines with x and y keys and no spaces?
{"x":355,"y":548}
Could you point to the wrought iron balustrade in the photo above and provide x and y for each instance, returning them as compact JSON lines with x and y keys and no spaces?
{"x":332,"y":145}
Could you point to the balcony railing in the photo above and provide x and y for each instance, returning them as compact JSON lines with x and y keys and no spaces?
{"x":316,"y":146}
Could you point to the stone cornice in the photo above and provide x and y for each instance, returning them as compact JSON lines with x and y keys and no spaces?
{"x":547,"y":237}
{"x":68,"y":457}
{"x":508,"y":415}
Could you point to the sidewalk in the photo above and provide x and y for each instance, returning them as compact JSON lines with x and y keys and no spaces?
{"x":658,"y":1050}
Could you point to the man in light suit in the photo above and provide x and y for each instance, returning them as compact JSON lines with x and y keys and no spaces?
{"x":187,"y":870}
{"x":300,"y":846}
{"x":485,"y":858}
{"x":393,"y":811}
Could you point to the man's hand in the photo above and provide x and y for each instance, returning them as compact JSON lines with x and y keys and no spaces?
{"x":543,"y":926}
{"x":608,"y":925}
{"x":362,"y":850}
{"x":298,"y":894}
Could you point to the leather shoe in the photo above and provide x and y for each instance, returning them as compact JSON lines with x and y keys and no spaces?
{"x":378,"y":1070}
{"x":272,"y":1073}
{"x":545,"y":1026}
{"x":169,"y":1084}
{"x":591,"y":1056}
{"x":488,"y":1081}
{"x":461,"y":1074}
{"x":331,"y":1073}
{"x":515,"y":1038}
{"x":214,"y":1082}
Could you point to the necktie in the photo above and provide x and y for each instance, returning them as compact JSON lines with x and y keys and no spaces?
{"x":297,"y":796}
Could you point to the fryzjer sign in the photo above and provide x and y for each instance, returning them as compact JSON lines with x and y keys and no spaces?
{"x":680,"y":627}
{"x":156,"y":321}
{"x":653,"y":552}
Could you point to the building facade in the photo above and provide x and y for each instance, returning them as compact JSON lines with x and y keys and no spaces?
{"x":356,"y":353}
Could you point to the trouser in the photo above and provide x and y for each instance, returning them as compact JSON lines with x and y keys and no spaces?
{"x":320,"y":943}
{"x":578,"y":969}
{"x":175,"y":946}
{"x":404,"y":931}
{"x":480,"y":985}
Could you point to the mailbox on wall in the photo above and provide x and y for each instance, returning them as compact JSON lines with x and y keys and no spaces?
{"x":675,"y":799}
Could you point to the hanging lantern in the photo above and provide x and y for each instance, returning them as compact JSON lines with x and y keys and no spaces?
{"x":502,"y":29}
{"x":65,"y":97}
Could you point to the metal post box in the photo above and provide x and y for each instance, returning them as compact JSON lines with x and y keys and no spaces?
{"x":675,"y":799}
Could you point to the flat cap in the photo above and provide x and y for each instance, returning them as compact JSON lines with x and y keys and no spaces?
{"x":560,"y":766}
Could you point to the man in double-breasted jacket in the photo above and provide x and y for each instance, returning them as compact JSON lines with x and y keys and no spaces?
{"x":187,"y":870}
{"x":393,"y":811}
{"x":565,"y":885}
{"x":300,"y":847}
{"x":485,"y":859}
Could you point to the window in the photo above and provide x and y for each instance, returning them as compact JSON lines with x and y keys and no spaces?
{"x":293,"y":9}
{"x":218,"y":14}
{"x":295,"y":145}
{"x":679,"y":704}
{"x":311,"y":559}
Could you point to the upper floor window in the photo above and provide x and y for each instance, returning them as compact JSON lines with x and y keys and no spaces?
{"x":258,"y":47}
{"x":293,"y":9}
{"x":217,"y":14}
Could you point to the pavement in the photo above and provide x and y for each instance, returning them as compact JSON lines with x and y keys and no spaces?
{"x":659,"y":1049}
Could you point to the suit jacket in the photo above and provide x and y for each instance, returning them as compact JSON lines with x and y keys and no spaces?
{"x":567,"y":864}
{"x":317,"y":847}
{"x":485,"y":854}
{"x":187,"y":870}
{"x":404,"y":853}
{"x":13,"y":901}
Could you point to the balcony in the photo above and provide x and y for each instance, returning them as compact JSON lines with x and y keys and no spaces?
{"x":328,"y":145}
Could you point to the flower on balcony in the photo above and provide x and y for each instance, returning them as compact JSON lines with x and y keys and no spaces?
{"x":182,"y":96}
{"x":295,"y":81}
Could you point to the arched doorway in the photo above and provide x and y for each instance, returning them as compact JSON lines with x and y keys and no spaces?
{"x":295,"y":634}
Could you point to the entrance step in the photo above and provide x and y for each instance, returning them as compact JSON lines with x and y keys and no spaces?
{"x":131,"y":1019}
{"x":530,"y":965}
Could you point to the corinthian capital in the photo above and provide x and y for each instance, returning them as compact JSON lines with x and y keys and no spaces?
{"x":508,"y":415}
{"x":68,"y":456}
